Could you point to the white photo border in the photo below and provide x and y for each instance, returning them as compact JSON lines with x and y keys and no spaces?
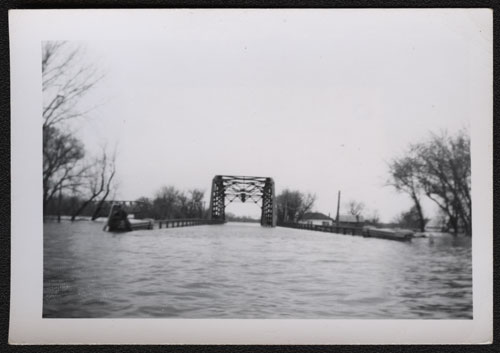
{"x":28,"y":28}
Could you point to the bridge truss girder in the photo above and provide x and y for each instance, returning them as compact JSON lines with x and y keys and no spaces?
{"x":228,"y":188}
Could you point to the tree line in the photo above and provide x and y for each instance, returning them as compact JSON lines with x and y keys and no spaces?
{"x":80,"y":182}
{"x":168,"y":203}
{"x":171,"y":203}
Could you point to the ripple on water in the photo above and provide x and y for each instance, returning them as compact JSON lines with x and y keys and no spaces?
{"x":245,"y":271}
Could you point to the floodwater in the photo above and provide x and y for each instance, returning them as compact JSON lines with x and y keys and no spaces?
{"x":243,"y":271}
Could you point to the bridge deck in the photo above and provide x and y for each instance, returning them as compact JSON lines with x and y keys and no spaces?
{"x":187,"y":222}
{"x":341,"y":229}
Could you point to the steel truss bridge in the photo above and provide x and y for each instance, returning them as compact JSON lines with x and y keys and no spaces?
{"x":229,"y":188}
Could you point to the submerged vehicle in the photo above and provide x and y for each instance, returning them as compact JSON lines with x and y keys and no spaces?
{"x":388,"y":233}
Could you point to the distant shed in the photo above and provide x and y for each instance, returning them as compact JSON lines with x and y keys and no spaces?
{"x":316,"y":218}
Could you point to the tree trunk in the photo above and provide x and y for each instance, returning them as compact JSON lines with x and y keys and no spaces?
{"x":97,"y":210}
{"x":59,"y":207}
{"x":108,"y":190}
{"x":99,"y":206}
{"x":454,"y":224}
{"x":82,"y":207}
{"x":421,"y":218}
{"x":466,"y":224}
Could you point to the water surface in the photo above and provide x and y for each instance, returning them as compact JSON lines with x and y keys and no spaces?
{"x":243,"y":271}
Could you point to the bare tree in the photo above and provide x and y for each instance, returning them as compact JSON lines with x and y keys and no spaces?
{"x":293,"y":204}
{"x":308,"y":201}
{"x":98,"y":182}
{"x":445,"y":176}
{"x":404,"y":177}
{"x":355,"y":208}
{"x":65,"y":80}
{"x":196,"y":203}
{"x":62,"y":154}
{"x":166,"y":202}
{"x":439,"y":168}
{"x":109,"y":171}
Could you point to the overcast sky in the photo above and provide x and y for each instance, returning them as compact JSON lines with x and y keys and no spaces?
{"x":320,"y":101}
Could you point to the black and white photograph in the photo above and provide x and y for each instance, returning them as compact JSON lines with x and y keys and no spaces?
{"x":257,"y":164}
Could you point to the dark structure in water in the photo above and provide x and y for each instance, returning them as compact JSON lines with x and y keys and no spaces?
{"x":118,"y":220}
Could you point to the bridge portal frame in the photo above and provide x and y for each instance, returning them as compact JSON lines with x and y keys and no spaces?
{"x":228,"y":188}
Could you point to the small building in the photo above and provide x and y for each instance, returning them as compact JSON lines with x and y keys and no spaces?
{"x":316,"y":218}
{"x":349,"y":218}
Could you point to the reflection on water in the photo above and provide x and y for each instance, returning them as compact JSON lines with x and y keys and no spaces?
{"x":246,"y":271}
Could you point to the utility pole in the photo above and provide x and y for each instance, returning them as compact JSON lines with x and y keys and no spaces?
{"x":338,"y":209}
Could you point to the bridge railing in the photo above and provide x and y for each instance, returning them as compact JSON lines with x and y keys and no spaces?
{"x":340,"y":229}
{"x":186,"y":222}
